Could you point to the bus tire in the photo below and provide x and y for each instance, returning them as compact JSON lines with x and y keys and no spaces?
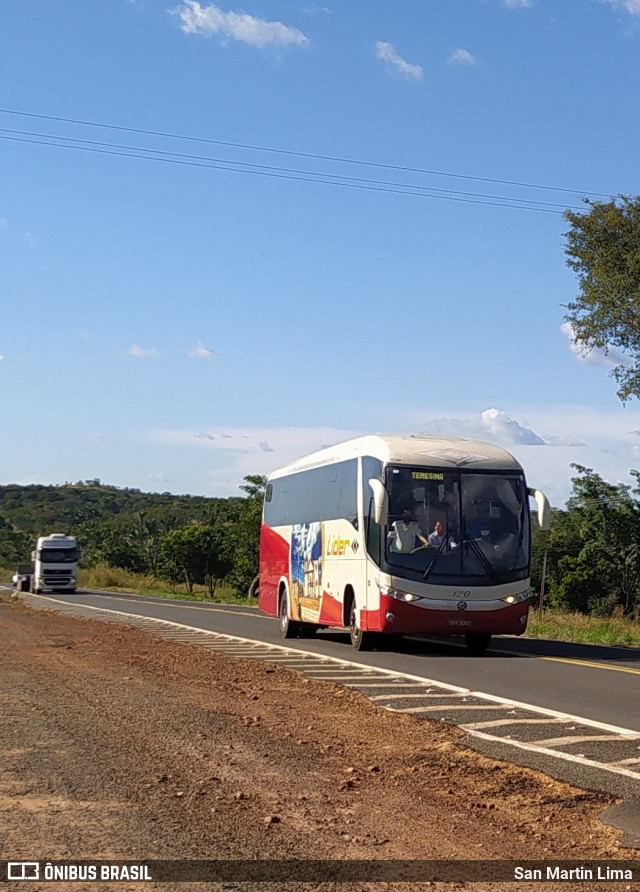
{"x":359,"y":639}
{"x":289,"y":628}
{"x":477,"y":644}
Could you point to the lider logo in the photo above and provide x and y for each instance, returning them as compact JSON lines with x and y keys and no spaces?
{"x":336,"y":545}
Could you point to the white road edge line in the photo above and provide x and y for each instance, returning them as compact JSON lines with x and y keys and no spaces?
{"x":587,"y":738}
{"x":612,"y":767}
{"x":491,"y":698}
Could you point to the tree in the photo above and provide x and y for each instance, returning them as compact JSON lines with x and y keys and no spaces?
{"x":243,"y":529}
{"x":603,"y":249}
{"x":562,"y":539}
{"x":197,"y":554}
{"x":604,"y":574}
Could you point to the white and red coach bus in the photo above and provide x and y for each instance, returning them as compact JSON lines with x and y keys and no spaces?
{"x":399,"y":535}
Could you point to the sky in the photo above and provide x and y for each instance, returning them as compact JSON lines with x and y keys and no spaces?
{"x":233,"y":233}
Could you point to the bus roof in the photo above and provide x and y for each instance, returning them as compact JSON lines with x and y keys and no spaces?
{"x":411,"y":449}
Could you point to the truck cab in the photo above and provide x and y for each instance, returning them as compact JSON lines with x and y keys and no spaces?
{"x":55,"y":564}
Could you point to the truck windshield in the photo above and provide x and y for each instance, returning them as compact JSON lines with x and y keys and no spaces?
{"x":58,"y":555}
{"x":456,"y":527}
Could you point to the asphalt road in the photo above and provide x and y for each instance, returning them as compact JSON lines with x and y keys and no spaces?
{"x":597,"y":683}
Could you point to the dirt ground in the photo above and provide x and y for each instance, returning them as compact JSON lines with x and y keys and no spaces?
{"x":119,"y":745}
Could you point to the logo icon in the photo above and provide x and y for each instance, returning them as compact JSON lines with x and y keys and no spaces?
{"x":462,"y":605}
{"x":23,"y":870}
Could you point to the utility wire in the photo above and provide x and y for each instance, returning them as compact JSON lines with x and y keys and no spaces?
{"x":310,"y":155}
{"x":282,"y":176}
{"x":249,"y":167}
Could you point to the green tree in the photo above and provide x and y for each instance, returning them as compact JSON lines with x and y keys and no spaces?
{"x":196,"y":553}
{"x":603,"y":249}
{"x":604,"y":574}
{"x":562,"y":539}
{"x":243,"y":530}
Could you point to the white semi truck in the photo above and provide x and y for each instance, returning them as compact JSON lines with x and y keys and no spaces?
{"x":54,"y":565}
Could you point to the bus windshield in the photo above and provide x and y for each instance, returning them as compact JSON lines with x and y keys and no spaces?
{"x":457,"y":527}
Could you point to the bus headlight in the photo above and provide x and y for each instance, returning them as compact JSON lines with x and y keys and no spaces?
{"x":398,"y":594}
{"x":516,"y":599}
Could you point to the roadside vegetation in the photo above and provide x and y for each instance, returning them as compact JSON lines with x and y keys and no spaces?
{"x":581,"y":629}
{"x":588,"y":562}
{"x":587,"y":565}
{"x":115,"y":579}
{"x":143,"y":542}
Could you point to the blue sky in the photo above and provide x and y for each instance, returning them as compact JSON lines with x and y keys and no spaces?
{"x":183,"y":303}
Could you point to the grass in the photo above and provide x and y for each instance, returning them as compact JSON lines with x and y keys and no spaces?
{"x":580,"y":629}
{"x":115,"y":579}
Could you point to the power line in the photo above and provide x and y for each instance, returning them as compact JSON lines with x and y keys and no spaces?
{"x":146,"y":153}
{"x":309,"y":155}
{"x":308,"y":179}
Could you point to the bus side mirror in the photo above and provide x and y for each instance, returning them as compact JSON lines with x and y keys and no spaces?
{"x":380,"y":501}
{"x":544,"y":508}
{"x":33,"y":555}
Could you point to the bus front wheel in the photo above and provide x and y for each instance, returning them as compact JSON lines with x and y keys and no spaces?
{"x":288,"y":627}
{"x":477,"y":644}
{"x":359,"y":639}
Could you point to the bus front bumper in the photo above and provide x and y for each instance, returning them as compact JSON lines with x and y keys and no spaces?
{"x":464,"y":617}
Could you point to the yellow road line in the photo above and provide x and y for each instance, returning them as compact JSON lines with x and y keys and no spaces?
{"x":591,"y":665}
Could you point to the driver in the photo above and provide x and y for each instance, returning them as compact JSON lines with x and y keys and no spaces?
{"x":404,"y":532}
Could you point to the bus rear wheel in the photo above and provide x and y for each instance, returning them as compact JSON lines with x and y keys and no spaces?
{"x":289,"y":628}
{"x":477,"y":644}
{"x":359,"y":639}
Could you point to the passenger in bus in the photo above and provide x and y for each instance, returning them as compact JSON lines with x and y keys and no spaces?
{"x":439,"y":539}
{"x":404,"y":532}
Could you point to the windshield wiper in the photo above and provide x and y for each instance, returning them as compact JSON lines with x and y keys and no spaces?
{"x":484,"y":560}
{"x":434,"y":560}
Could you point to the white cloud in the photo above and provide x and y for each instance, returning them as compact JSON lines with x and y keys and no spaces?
{"x":208,"y":20}
{"x":630,"y":6}
{"x":502,"y":427}
{"x":201,"y":352}
{"x":1,"y":358}
{"x":160,"y":477}
{"x":518,"y":4}
{"x":546,"y":441}
{"x":229,"y":454}
{"x":594,"y":356}
{"x":604,"y":441}
{"x":142,"y":353}
{"x":461,"y":57}
{"x":387,"y":53}
{"x":492,"y":425}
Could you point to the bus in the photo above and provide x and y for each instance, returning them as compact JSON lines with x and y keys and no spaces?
{"x":389,"y":536}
